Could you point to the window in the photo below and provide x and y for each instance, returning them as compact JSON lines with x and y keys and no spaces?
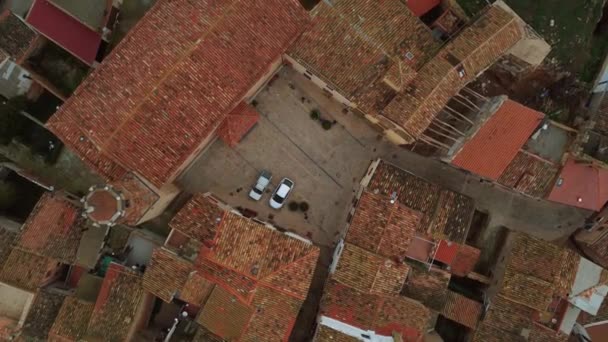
{"x":409,"y":56}
{"x":308,"y":74}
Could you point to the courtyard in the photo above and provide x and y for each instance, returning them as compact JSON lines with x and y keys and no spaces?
{"x":326,"y":165}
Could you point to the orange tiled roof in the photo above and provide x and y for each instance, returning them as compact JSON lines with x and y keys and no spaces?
{"x":140,"y":197}
{"x":372,"y":36}
{"x":465,"y":260}
{"x":53,"y":229}
{"x":428,"y":286}
{"x":369,"y":272}
{"x":393,"y":226}
{"x":166,"y":273}
{"x":171,"y":82}
{"x":476,"y":47}
{"x":582,"y":185}
{"x":461,"y":309}
{"x":253,"y":272}
{"x":238,"y":123}
{"x":118,"y":301}
{"x":490,"y":151}
{"x":447,"y":214}
{"x":25,"y":270}
{"x":529,"y":174}
{"x":72,"y":320}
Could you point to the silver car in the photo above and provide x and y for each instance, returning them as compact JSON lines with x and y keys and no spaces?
{"x":281,"y":193}
{"x":258,"y":189}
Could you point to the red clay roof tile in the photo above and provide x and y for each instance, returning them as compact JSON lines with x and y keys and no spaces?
{"x":16,"y":37}
{"x":25,"y":270}
{"x":53,"y":229}
{"x":490,"y":151}
{"x":238,"y":123}
{"x":171,"y":82}
{"x":462,"y":310}
{"x":72,"y":320}
{"x":529,"y":174}
{"x":259,"y":276}
{"x":476,"y":47}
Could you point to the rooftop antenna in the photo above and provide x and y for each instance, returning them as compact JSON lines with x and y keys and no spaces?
{"x":394,"y":197}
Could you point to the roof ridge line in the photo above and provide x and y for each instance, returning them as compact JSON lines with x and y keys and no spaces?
{"x":169,"y":72}
{"x":289,"y":294}
{"x":308,"y":255}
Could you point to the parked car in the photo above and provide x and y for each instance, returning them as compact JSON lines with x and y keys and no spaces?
{"x":258,"y":189}
{"x":281,"y":193}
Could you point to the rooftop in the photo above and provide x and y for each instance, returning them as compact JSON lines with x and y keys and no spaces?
{"x":16,"y":37}
{"x":540,"y":291}
{"x":25,"y":270}
{"x":117,"y":304}
{"x":64,"y":30}
{"x":101,"y":121}
{"x":53,"y":229}
{"x":92,"y":13}
{"x":458,"y":63}
{"x":72,"y":320}
{"x":590,"y":194}
{"x":371,"y":36}
{"x":446,"y":214}
{"x":252,"y":272}
{"x":42,"y":315}
{"x":490,"y":150}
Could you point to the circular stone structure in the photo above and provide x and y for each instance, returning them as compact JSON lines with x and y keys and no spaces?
{"x":104,"y":205}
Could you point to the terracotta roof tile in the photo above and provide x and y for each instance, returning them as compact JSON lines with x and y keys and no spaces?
{"x":503,"y":320}
{"x":117,"y":303}
{"x":203,"y":335}
{"x":274,"y":316}
{"x":374,"y":38}
{"x":527,"y":290}
{"x":198,"y":219}
{"x":53,"y":229}
{"x":259,"y":275}
{"x":476,"y":47}
{"x":325,"y":333}
{"x":197,"y":289}
{"x":490,"y":151}
{"x":166,"y":274}
{"x":238,"y":284}
{"x":382,"y":227}
{"x":183,"y":79}
{"x":242,"y":245}
{"x":349,"y":305}
{"x":535,"y":257}
{"x":139,"y":196}
{"x":25,"y":270}
{"x":407,"y":316}
{"x":446,"y":214}
{"x":461,"y":309}
{"x":238,"y":123}
{"x":529,"y":174}
{"x":72,"y":320}
{"x":465,"y":260}
{"x":430,"y":287}
{"x":591,"y":194}
{"x":224,"y":315}
{"x":42,"y":315}
{"x":369,"y":272}
{"x":16,"y":37}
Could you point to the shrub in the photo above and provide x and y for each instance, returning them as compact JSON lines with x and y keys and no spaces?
{"x":304,"y":206}
{"x":326,"y":124}
{"x":293,"y":206}
{"x":315,"y":114}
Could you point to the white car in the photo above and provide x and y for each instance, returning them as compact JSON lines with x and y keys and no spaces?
{"x":281,"y":193}
{"x":258,"y":189}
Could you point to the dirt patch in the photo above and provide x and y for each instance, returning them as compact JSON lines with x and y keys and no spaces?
{"x":558,"y":94}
